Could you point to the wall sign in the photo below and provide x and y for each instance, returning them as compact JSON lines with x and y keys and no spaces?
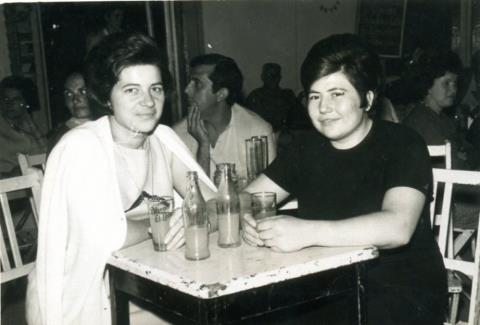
{"x":382,"y":23}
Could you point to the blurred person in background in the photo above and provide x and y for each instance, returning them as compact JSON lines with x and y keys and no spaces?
{"x":274,"y":104}
{"x":434,"y":75}
{"x":76,"y":101}
{"x":217,"y":126}
{"x":112,"y":17}
{"x":18,"y":132}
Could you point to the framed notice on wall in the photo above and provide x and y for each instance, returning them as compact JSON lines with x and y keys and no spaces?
{"x":382,"y":24}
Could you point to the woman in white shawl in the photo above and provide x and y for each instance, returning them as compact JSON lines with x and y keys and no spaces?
{"x":97,"y":175}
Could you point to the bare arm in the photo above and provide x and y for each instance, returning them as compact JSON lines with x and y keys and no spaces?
{"x":388,"y":228}
{"x":197,"y":129}
{"x":138,"y":224}
{"x":137,"y":231}
{"x":264,"y":184}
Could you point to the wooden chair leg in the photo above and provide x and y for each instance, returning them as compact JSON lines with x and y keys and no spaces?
{"x":454,"y":308}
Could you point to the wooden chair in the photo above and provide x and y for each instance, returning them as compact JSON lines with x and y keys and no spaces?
{"x":466,"y":235}
{"x":11,"y":260}
{"x":27,"y":161}
{"x":29,"y":164}
{"x":443,"y":150}
{"x":445,"y":241}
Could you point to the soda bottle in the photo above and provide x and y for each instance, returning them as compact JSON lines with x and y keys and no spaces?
{"x":228,"y":209}
{"x":195,"y":220}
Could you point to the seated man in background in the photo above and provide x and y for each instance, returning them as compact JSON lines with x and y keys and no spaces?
{"x":270,"y":101}
{"x":18,"y":132}
{"x":216,"y":127}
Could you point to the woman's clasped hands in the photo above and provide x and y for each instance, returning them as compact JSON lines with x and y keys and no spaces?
{"x":281,"y":233}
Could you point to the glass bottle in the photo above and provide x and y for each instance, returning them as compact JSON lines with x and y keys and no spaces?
{"x":196,"y":221}
{"x":228,"y":210}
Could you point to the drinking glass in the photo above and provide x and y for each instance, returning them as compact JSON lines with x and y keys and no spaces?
{"x":264,"y":205}
{"x":160,"y":209}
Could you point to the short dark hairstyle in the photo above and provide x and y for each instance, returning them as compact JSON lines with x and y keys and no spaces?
{"x":114,"y":53}
{"x":349,"y":54}
{"x":226,"y":74}
{"x":26,"y":87}
{"x":272,"y":66}
{"x":428,"y":65}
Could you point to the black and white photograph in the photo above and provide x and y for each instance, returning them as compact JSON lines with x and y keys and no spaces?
{"x":285,"y":162}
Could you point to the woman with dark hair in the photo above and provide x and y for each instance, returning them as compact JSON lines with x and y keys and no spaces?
{"x":358,"y":182}
{"x":96,"y":180}
{"x":18,"y":132}
{"x":76,"y":101}
{"x":433,"y":76}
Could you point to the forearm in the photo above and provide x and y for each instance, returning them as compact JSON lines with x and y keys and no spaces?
{"x":137,"y":231}
{"x":382,"y":229}
{"x":203,"y":157}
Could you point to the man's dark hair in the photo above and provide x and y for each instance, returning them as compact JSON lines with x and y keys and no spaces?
{"x":225,"y":74}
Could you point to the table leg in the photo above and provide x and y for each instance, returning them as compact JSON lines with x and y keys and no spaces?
{"x":360,"y":294}
{"x":118,"y":303}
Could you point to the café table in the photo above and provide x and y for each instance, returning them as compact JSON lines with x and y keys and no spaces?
{"x":234,"y":284}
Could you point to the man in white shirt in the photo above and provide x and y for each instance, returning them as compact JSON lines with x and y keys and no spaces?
{"x":216,"y":127}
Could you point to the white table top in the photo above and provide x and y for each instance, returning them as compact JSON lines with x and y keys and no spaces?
{"x":230,"y":270}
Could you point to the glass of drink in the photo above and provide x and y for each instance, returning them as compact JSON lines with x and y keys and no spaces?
{"x":160,"y":209}
{"x":264,"y":205}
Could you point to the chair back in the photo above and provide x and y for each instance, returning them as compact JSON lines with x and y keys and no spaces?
{"x":442,"y":150}
{"x":29,"y":164}
{"x":12,"y":265}
{"x":27,"y":161}
{"x":445,"y":236}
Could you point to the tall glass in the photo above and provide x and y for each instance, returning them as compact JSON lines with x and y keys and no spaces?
{"x":264,"y":205}
{"x":250,"y":155}
{"x":160,"y":209}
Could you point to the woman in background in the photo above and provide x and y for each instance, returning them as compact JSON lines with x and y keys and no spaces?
{"x":434,"y":75}
{"x":76,"y":100}
{"x":18,"y":132}
{"x":96,"y":180}
{"x":358,"y":181}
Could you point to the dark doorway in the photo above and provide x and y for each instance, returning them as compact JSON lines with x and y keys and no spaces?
{"x":67,"y":27}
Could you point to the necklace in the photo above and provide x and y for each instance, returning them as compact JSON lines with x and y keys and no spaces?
{"x":131,"y":161}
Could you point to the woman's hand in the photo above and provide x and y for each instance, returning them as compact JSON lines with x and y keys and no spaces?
{"x":284,"y":233}
{"x":250,"y":234}
{"x":176,"y":234}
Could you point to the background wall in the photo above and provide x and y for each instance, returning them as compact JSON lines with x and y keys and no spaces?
{"x":4,"y":59}
{"x":253,"y":33}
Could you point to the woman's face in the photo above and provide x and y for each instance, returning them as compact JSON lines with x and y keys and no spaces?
{"x":442,"y":94}
{"x":334,"y":108}
{"x":13,"y":104}
{"x":137,"y":98}
{"x":75,"y":93}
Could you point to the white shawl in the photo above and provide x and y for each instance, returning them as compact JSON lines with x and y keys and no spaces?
{"x":81,"y":224}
